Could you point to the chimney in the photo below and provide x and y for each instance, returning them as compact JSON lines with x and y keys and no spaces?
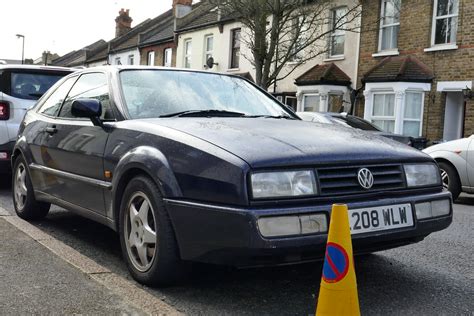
{"x":123,"y":23}
{"x":182,"y":7}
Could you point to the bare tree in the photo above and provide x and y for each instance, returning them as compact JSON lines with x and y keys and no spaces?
{"x":283,"y":34}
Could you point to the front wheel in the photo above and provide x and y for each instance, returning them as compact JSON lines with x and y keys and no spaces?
{"x":26,"y":206}
{"x":147,"y":238}
{"x":450,"y":179}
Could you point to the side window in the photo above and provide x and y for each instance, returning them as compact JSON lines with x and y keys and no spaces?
{"x":89,"y":86}
{"x":52,"y":105}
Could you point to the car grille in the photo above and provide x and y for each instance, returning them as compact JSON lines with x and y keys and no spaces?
{"x":344,"y":180}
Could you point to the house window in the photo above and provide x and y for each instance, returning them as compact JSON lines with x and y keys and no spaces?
{"x":151,"y":58}
{"x":235,"y":53}
{"x":130,"y":59}
{"x":117,"y":61}
{"x":389,"y":25}
{"x":298,"y":39}
{"x":187,"y":53}
{"x":445,"y":22}
{"x":167,"y":57}
{"x":311,"y":103}
{"x":209,"y":47}
{"x":383,"y":111}
{"x":413,"y":114}
{"x":337,"y":37}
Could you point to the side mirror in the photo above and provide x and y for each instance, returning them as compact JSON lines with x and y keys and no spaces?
{"x":88,"y":108}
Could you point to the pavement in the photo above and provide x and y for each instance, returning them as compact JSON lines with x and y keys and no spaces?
{"x":75,"y":266}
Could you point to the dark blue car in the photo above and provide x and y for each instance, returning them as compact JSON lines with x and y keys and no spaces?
{"x":194,"y":166}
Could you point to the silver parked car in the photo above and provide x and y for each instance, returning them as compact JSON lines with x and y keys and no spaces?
{"x":456,"y":162}
{"x":20,"y":87}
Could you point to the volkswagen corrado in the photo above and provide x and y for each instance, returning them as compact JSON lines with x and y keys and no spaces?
{"x":196,"y":166}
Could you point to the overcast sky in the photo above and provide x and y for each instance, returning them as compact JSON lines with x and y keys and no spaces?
{"x":61,"y":26}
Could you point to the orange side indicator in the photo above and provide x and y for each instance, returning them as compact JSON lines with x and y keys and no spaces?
{"x":108,"y":174}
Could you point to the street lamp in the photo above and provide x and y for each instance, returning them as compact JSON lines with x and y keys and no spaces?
{"x":22,"y":47}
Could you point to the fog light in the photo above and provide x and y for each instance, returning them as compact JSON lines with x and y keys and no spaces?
{"x":432,"y":209}
{"x":311,"y":224}
{"x":423,"y":210}
{"x":292,"y":225}
{"x":279,"y":226}
{"x":3,"y":155}
{"x":440,"y":208}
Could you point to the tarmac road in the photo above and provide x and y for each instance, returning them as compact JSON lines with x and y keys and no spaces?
{"x":433,"y":277}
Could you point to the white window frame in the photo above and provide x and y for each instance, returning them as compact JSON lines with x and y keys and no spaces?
{"x":187,"y":60}
{"x":151,"y":58}
{"x":403,"y":119}
{"x":117,"y":61}
{"x":433,"y":27}
{"x":231,"y":57}
{"x":131,"y":59}
{"x":168,"y":57}
{"x":303,"y":109}
{"x":335,"y":33}
{"x":400,"y":89}
{"x":385,"y":118}
{"x":382,"y":26}
{"x":300,"y":38}
{"x":208,"y":52}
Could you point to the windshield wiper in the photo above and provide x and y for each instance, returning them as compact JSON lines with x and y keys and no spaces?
{"x":204,"y":113}
{"x":271,"y":116}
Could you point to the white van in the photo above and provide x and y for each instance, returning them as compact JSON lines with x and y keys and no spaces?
{"x":20,"y":87}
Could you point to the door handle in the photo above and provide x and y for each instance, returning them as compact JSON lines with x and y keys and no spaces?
{"x":51,"y":130}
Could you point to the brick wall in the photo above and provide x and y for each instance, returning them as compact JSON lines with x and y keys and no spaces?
{"x":414,"y":37}
{"x":159,"y":54}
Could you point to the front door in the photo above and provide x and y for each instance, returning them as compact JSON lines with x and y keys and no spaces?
{"x":453,"y":116}
{"x":74,"y":148}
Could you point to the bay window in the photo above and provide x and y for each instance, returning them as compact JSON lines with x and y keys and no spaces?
{"x":383,"y":111}
{"x":413,"y":114}
{"x":187,"y":53}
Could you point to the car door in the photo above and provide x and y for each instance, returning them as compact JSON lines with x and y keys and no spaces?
{"x":470,"y":161}
{"x":74,"y":148}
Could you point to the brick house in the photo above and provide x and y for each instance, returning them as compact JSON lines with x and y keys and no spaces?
{"x":415,"y":61}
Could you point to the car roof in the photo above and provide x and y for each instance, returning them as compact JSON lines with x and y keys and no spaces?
{"x":36,"y":68}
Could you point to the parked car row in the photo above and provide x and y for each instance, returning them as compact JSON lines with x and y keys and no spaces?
{"x":20,"y":88}
{"x":194,"y":166}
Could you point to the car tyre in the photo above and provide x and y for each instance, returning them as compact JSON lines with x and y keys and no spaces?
{"x":147,"y":238}
{"x":24,"y":201}
{"x":450,"y":179}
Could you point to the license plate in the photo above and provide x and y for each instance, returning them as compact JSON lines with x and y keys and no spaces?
{"x":380,"y":218}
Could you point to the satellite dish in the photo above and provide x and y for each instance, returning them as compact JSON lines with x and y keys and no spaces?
{"x":210,"y":63}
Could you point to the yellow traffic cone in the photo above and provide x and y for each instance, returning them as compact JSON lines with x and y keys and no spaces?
{"x":338,"y":292}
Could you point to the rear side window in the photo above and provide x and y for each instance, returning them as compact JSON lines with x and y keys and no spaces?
{"x":89,"y":86}
{"x":52,"y":105}
{"x":31,"y":86}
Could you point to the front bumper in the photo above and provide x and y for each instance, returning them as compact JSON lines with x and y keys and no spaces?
{"x":5,"y":164}
{"x":228,"y":235}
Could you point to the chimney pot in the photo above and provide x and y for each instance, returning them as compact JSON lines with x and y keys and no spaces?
{"x":123,"y":22}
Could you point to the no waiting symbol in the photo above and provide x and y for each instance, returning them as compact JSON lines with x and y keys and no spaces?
{"x":336,"y":263}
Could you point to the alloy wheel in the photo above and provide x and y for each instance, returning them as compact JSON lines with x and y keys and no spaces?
{"x":445,"y":178}
{"x":140,"y":232}
{"x":19,"y":187}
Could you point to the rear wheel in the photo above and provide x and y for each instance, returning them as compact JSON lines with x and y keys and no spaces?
{"x":24,"y":200}
{"x":450,"y":179}
{"x":147,"y":238}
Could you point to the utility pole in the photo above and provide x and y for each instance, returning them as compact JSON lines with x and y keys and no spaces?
{"x":22,"y":48}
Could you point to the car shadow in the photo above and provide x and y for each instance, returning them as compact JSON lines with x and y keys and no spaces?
{"x":465,"y":199}
{"x":387,"y":282}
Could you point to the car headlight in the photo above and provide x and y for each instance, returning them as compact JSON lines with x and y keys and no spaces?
{"x":419,"y":175}
{"x":283,"y":184}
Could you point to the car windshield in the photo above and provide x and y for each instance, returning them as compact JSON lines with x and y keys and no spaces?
{"x":157,"y":93}
{"x":31,"y":86}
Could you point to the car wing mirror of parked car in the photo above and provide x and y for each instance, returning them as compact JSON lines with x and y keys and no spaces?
{"x":88,"y":108}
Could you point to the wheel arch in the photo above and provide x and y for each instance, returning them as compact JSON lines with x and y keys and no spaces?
{"x":146,"y":161}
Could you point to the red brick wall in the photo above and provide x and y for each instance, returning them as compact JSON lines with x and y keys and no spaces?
{"x":159,"y":53}
{"x":414,"y":37}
